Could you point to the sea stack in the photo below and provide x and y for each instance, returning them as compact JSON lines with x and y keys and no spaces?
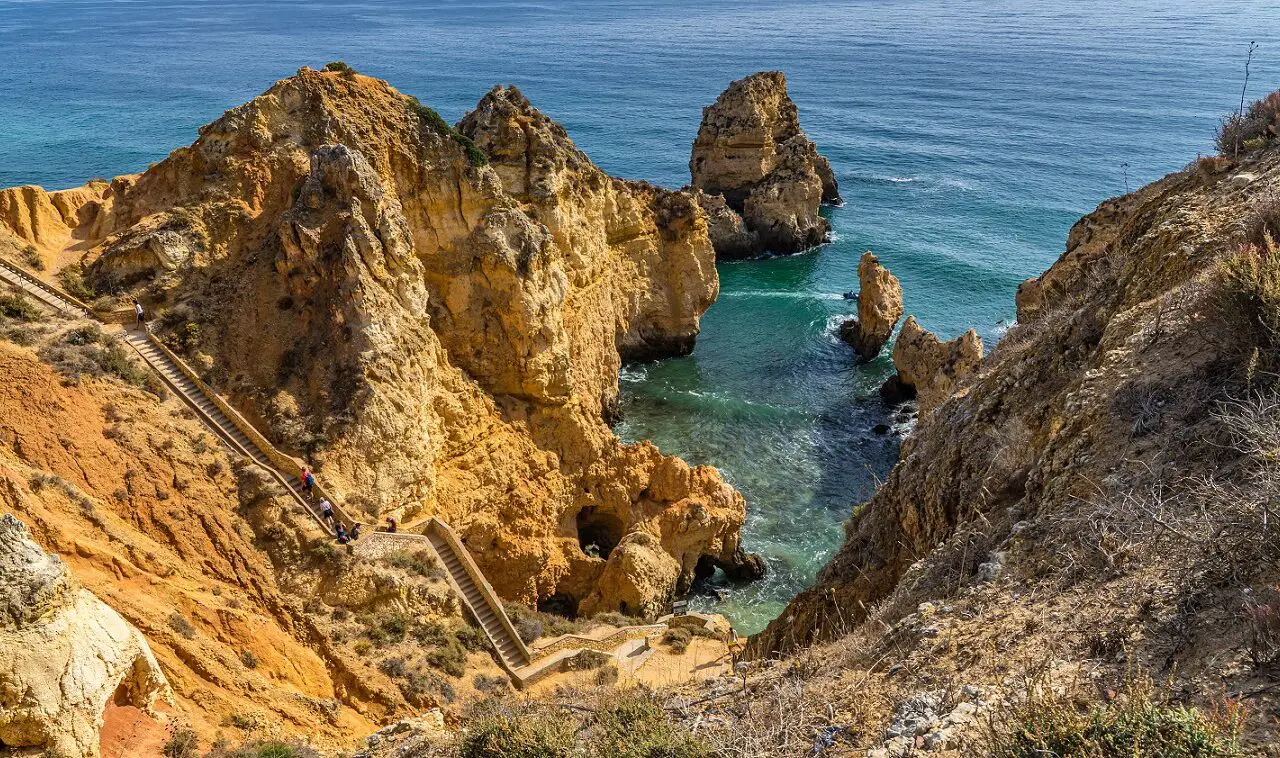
{"x":929,"y":368}
{"x":879,"y":308}
{"x":751,"y":152}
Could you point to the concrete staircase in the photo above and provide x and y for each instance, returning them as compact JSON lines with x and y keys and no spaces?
{"x":30,"y":285}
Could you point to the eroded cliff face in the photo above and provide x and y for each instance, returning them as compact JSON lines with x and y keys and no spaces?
{"x":436,"y":325}
{"x":1044,"y":459}
{"x":750,"y":151}
{"x":63,"y":653}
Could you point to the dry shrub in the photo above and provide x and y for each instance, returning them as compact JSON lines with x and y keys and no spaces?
{"x":1249,"y":297}
{"x":518,"y":729}
{"x":677,"y":639}
{"x":1063,"y":722}
{"x":1255,"y":129}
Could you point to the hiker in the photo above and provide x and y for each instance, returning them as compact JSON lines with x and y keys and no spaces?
{"x":341,"y":532}
{"x":355,"y":532}
{"x":308,"y":481}
{"x":391,"y":524}
{"x":142,"y":315}
{"x":326,"y":509}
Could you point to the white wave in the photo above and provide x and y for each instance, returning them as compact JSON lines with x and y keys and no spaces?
{"x":635,"y":372}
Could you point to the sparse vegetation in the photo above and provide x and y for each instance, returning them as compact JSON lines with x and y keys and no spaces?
{"x":249,"y":660}
{"x":491,"y":684}
{"x":1254,"y":129}
{"x":340,"y":67}
{"x":420,"y":562}
{"x":1053,"y":723}
{"x":180,"y":624}
{"x":31,"y":257}
{"x":435,"y":123}
{"x":183,"y":744}
{"x":677,"y":639}
{"x":19,"y":308}
{"x":265,"y":749}
{"x":503,"y":731}
{"x":73,"y":282}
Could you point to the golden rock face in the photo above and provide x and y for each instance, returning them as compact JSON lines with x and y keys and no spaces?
{"x":434,"y":318}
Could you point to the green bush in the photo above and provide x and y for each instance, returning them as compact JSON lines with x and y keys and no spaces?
{"x":31,"y":257}
{"x":19,"y":308}
{"x":451,"y":658}
{"x":73,"y":282}
{"x":1254,"y":129}
{"x":434,"y":122}
{"x":421,"y":562}
{"x":340,"y":67}
{"x":1133,"y":724}
{"x":183,"y":744}
{"x":508,"y":735}
{"x":677,"y":639}
{"x":634,"y":725}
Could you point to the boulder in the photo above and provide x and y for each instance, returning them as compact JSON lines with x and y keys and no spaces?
{"x":63,"y":653}
{"x":750,"y":150}
{"x":879,"y":308}
{"x":931,"y":367}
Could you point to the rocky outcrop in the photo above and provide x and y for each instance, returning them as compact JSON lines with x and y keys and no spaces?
{"x":1050,"y":464}
{"x":729,"y":234}
{"x":930,"y":369}
{"x":63,"y":653}
{"x":879,"y":308}
{"x":750,"y":150}
{"x":434,"y":317}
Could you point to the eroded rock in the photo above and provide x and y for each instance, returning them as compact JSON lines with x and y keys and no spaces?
{"x":750,"y":150}
{"x":931,"y":367}
{"x":879,"y":308}
{"x":63,"y":653}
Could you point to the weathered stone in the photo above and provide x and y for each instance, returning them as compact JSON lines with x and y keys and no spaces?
{"x":63,"y":653}
{"x":932,"y":367}
{"x":879,"y":308}
{"x":751,"y":151}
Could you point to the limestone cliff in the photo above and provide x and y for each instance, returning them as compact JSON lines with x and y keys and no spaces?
{"x":434,"y":317}
{"x":1109,"y":414}
{"x":63,"y":653}
{"x":879,"y":308}
{"x":750,"y":150}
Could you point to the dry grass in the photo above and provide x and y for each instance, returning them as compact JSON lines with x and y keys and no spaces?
{"x":1074,"y":721}
{"x":1253,"y":130}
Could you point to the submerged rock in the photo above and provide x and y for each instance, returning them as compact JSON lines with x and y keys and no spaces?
{"x":750,"y":150}
{"x":63,"y":653}
{"x":879,"y":308}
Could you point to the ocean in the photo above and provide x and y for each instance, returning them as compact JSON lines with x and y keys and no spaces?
{"x":967,"y":136}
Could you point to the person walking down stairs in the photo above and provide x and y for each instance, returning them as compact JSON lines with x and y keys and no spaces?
{"x":140,"y":313}
{"x":308,"y":481}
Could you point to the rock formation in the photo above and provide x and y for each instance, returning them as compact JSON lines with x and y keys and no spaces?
{"x":750,"y":151}
{"x":434,"y":317}
{"x":879,"y":308}
{"x":63,"y":653}
{"x":928,"y":368}
{"x":1116,"y":382}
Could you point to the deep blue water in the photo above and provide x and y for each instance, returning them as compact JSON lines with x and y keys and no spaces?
{"x":967,"y":137}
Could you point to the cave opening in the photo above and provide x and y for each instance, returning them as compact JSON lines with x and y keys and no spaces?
{"x":598,"y":533}
{"x":561,"y":604}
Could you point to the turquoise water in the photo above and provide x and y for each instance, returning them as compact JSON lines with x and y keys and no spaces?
{"x":967,"y":137}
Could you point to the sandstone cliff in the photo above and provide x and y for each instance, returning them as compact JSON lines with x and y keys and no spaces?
{"x":434,"y":317}
{"x":879,"y":308}
{"x":1125,"y":399}
{"x":750,"y":150}
{"x":64,"y":655}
